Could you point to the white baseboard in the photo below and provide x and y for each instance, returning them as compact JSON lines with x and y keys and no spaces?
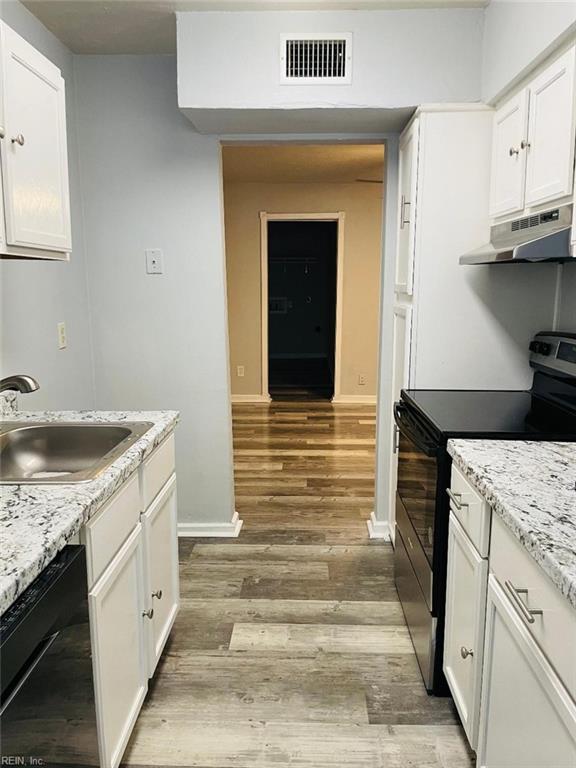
{"x":250,"y":399}
{"x":378,"y":529}
{"x":202,"y":530}
{"x":354,"y":399}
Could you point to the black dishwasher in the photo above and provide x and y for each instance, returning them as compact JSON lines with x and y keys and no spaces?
{"x":47,"y":708}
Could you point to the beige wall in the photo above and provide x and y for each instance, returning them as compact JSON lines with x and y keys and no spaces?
{"x":362,"y":204}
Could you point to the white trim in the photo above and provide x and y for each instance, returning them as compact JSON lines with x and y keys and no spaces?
{"x":378,"y":529}
{"x":354,"y":399}
{"x":201,"y":530}
{"x":262,"y":399}
{"x":265,"y":217}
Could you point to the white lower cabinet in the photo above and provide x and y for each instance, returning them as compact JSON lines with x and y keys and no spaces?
{"x":464,"y":634}
{"x":132,"y":555}
{"x":120,"y":669}
{"x":510,"y":643}
{"x":528,"y":719}
{"x":161,"y":558}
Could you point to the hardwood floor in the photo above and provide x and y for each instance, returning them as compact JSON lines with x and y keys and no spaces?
{"x":290,"y":648}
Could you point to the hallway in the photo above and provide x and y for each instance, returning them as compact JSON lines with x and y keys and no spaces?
{"x":290,"y":647}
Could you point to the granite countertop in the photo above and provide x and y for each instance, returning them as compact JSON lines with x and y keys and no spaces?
{"x":37,"y":521}
{"x":532,"y":487}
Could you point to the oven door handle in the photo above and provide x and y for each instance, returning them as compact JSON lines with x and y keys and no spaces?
{"x":414,"y":430}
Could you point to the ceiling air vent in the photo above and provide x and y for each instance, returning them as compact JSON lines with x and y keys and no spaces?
{"x":316,"y":59}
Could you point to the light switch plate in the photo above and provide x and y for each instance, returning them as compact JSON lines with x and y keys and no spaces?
{"x":154,"y":261}
{"x":62,"y":340}
{"x":240,"y":371}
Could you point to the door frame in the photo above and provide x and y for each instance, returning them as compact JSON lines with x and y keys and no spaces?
{"x":265,"y":217}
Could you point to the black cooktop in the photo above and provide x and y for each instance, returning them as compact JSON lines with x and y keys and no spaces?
{"x":493,"y":413}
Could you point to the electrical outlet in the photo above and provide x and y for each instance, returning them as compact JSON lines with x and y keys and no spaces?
{"x":154,"y":261}
{"x":240,"y":371}
{"x":361,"y":379}
{"x":62,"y":340}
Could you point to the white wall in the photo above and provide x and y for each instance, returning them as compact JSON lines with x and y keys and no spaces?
{"x":37,"y":295}
{"x":401,"y":58}
{"x":517,"y":33}
{"x":160,"y":341}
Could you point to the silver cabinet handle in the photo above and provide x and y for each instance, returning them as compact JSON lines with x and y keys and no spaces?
{"x":526,"y":613}
{"x":456,"y":499}
{"x":465,"y":652}
{"x":2,"y":132}
{"x":513,"y":151}
{"x":524,"y":144}
{"x":396,"y":440}
{"x":157,"y":594}
{"x":18,"y":140}
{"x":149,"y":613}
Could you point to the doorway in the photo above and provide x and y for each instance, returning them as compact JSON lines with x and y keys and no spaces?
{"x":302,"y":278}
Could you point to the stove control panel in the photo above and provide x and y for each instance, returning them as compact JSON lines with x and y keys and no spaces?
{"x":554,"y":352}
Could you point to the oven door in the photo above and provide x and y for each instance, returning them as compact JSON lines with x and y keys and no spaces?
{"x":416,"y":493}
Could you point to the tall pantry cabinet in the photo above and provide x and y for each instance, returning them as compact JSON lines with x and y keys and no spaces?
{"x":443,"y":189}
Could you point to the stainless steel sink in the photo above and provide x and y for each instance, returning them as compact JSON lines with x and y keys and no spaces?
{"x":58,"y":452}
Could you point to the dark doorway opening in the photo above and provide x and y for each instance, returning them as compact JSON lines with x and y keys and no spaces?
{"x":302,"y":264}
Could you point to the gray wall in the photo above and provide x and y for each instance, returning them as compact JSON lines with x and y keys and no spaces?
{"x":37,"y":295}
{"x":160,"y":341}
{"x":567,"y":318}
{"x":517,"y":33}
{"x":400,"y":58}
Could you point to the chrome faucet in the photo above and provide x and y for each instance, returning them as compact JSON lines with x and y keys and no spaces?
{"x":19,"y":383}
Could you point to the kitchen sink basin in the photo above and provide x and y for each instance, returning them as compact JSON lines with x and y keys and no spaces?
{"x":58,"y":452}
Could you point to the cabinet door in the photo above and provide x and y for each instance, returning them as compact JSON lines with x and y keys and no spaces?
{"x":527,"y":716}
{"x":161,"y":567}
{"x":119,"y":660}
{"x":467,"y":581}
{"x":34,"y":156}
{"x":550,"y":148}
{"x":2,"y":225}
{"x":407,"y":191}
{"x":508,"y":171}
{"x":402,"y":323}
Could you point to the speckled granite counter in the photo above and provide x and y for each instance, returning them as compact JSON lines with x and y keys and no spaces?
{"x":531,"y":486}
{"x":37,"y":521}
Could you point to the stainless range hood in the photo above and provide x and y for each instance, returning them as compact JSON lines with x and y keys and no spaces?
{"x":539,"y":237}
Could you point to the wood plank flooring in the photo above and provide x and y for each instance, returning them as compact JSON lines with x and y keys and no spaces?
{"x":290,"y":648}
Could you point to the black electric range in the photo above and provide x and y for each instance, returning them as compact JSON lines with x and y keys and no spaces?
{"x":426,"y":420}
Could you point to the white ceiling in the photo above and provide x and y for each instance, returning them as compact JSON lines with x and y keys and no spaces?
{"x":149,"y":26}
{"x":304,"y":163}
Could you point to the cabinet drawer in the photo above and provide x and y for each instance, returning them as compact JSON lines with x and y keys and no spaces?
{"x":555,"y":629}
{"x":472,"y":512}
{"x":109,"y":529}
{"x":156,"y":470}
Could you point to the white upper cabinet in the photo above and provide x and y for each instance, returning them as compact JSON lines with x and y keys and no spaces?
{"x":408,"y":174}
{"x":533,"y":142}
{"x":508,"y":159}
{"x":550,"y":152}
{"x":34,"y":151}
